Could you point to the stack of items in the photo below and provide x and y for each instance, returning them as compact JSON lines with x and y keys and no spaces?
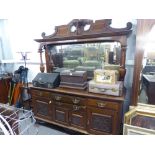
{"x":106,"y":82}
{"x":73,"y":79}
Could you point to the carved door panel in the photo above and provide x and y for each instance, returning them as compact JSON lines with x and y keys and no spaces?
{"x":101,"y":121}
{"x":77,"y":117}
{"x":43,"y":108}
{"x":61,"y":112}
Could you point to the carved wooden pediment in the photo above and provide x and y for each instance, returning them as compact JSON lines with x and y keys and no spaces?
{"x":85,"y":28}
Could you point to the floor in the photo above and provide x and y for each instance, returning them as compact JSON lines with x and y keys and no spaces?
{"x":21,"y":121}
{"x":143,"y":97}
{"x":46,"y":130}
{"x":39,"y":128}
{"x":49,"y":129}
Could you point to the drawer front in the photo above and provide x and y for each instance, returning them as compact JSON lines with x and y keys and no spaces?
{"x":69,"y":99}
{"x":103,"y":104}
{"x":40,"y":93}
{"x":47,"y":100}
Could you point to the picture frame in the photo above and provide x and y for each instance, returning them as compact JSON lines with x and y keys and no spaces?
{"x":139,"y":120}
{"x":134,"y":130}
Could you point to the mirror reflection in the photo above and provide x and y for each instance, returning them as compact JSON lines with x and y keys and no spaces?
{"x":147,"y":81}
{"x":87,"y":56}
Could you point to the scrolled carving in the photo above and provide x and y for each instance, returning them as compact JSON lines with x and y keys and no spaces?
{"x":80,"y":24}
{"x":129,"y":25}
{"x":43,"y":34}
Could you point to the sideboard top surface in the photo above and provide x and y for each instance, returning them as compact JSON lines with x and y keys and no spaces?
{"x":81,"y":93}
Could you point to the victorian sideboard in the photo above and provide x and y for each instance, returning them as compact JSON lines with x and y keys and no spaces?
{"x":80,"y":110}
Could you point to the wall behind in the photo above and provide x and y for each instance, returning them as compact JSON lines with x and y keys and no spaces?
{"x":5,"y":47}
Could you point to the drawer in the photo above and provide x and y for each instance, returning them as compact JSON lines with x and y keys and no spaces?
{"x":40,"y":93}
{"x":103,"y":104}
{"x":69,"y":99}
{"x":35,"y":99}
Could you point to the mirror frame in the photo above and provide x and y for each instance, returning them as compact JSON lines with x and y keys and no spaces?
{"x":85,"y":53}
{"x":144,"y":26}
{"x":100,"y":30}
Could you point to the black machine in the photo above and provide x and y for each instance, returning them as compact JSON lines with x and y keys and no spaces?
{"x":46,"y":80}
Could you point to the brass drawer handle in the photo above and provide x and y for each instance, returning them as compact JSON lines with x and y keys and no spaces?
{"x":101,"y":105}
{"x":59,"y":103}
{"x":41,"y":102}
{"x":83,"y":107}
{"x":40,"y":94}
{"x":76,"y":101}
{"x":75,"y":107}
{"x":58,"y":98}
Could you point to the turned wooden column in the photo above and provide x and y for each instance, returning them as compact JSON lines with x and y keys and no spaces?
{"x":42,"y":67}
{"x":123,"y":56}
{"x":122,"y":70}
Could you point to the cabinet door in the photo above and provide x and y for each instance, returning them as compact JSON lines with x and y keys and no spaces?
{"x":102,"y":121}
{"x":43,"y":108}
{"x":61,"y":112}
{"x":77,"y":116}
{"x":4,"y":90}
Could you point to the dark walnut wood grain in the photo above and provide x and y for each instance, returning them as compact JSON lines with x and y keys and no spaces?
{"x":78,"y":110}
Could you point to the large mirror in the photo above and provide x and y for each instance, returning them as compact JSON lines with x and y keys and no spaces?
{"x":144,"y":71}
{"x":96,"y":46}
{"x":147,"y":83}
{"x":86,"y":56}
